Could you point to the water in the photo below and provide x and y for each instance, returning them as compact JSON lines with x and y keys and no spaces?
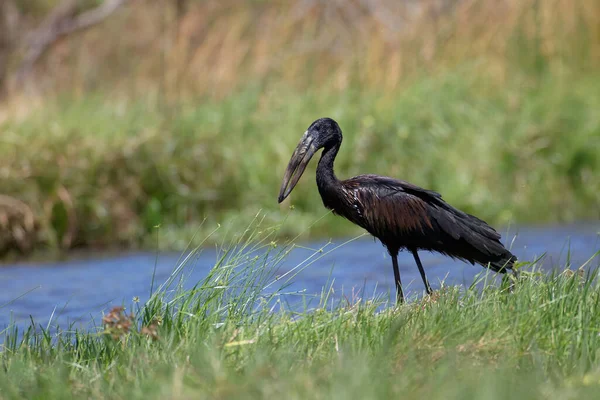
{"x":80,"y":290}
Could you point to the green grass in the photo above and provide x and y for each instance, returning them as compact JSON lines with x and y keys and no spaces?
{"x":95,"y":171}
{"x":229,"y":338}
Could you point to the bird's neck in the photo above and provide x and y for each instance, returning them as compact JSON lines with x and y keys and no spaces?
{"x":326,"y":179}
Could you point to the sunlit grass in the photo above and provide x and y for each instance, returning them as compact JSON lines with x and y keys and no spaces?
{"x":234,"y":335}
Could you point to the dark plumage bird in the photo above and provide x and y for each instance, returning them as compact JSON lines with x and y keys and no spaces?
{"x":401,"y":215}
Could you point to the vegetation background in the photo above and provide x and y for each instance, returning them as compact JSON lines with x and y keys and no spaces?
{"x":124,"y":120}
{"x":120,"y":116}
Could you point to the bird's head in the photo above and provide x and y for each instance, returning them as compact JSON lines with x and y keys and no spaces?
{"x":324,"y":132}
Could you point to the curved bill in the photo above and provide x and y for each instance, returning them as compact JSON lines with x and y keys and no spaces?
{"x":302,"y":155}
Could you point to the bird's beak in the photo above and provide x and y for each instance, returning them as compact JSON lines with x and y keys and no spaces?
{"x":302,"y":155}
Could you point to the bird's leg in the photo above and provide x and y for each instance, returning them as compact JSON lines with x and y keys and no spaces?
{"x":399,"y":294}
{"x":422,"y":271}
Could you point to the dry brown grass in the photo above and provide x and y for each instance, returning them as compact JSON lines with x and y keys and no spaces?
{"x":117,"y":324}
{"x":216,"y":46}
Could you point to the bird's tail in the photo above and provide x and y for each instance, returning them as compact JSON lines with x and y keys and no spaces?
{"x":504,"y":262}
{"x":485,"y":246}
{"x":474,"y":240}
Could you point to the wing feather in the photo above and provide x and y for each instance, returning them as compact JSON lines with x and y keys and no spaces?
{"x":406,"y":216}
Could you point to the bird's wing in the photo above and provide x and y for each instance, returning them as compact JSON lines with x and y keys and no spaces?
{"x":420,"y":218}
{"x":390,"y":206}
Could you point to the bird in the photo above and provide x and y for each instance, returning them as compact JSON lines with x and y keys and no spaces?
{"x":403,"y":216}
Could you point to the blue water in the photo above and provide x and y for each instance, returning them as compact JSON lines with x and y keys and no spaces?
{"x":80,"y":290}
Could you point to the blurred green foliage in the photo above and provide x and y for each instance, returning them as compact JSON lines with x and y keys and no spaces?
{"x":194,"y":120}
{"x":520,"y":154}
